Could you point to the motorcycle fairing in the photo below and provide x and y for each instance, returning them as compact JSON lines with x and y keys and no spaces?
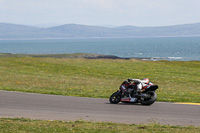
{"x":151,"y":88}
{"x":128,"y":99}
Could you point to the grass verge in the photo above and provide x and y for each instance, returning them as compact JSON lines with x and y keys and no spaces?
{"x":8,"y":125}
{"x":178,"y":81}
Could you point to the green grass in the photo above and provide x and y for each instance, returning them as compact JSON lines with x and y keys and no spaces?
{"x":8,"y":125}
{"x":75,"y":55}
{"x":178,"y":81}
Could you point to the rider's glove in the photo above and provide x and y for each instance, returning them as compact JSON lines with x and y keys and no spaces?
{"x":129,"y":80}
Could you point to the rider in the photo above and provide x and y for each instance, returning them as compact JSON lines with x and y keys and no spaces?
{"x":140,"y":83}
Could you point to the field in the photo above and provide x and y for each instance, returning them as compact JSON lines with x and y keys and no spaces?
{"x":178,"y":81}
{"x":8,"y":125}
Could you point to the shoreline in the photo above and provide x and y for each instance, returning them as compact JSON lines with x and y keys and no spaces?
{"x":91,"y":56}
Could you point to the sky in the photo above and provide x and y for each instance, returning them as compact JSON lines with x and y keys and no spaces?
{"x":100,"y":12}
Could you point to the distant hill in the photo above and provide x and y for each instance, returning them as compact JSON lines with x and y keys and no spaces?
{"x":14,"y":31}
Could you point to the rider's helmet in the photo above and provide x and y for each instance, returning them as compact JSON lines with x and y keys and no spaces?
{"x":145,"y":80}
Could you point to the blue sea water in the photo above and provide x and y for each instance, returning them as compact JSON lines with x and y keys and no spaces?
{"x":184,"y":49}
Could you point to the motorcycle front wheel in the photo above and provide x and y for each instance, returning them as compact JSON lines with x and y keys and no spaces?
{"x":115,"y":97}
{"x":150,"y":99}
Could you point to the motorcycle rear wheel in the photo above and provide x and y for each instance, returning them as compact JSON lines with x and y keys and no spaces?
{"x":115,"y":98}
{"x":152,"y":96}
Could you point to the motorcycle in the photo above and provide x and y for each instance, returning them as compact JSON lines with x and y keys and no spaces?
{"x":128,"y":93}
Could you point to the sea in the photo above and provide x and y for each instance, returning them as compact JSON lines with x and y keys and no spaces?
{"x":171,"y":48}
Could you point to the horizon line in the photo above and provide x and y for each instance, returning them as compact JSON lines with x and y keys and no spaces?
{"x":95,"y":25}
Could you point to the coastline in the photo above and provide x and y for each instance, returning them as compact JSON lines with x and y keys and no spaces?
{"x":90,"y":56}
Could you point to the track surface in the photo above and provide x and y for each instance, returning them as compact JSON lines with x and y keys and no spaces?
{"x":53,"y":107}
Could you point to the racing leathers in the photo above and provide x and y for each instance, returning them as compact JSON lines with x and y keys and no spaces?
{"x":140,"y":83}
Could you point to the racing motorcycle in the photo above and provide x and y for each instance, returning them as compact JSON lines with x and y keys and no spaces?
{"x":128,"y":92}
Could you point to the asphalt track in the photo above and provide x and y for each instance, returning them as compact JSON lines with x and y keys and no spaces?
{"x":67,"y":108}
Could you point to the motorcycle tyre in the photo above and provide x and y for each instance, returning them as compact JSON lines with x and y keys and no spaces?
{"x":117,"y":93}
{"x":150,"y":101}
